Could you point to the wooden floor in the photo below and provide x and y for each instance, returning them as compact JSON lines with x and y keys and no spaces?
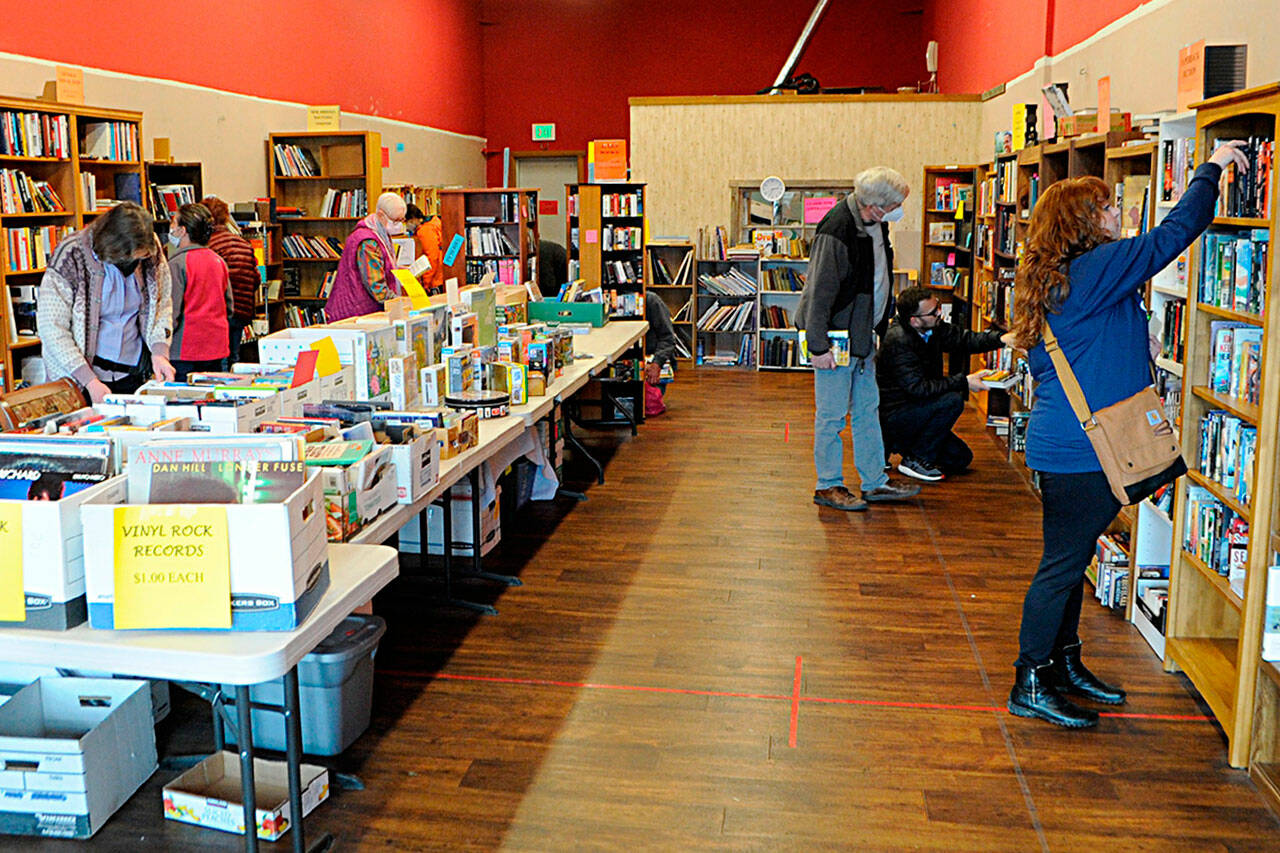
{"x":701,"y":658}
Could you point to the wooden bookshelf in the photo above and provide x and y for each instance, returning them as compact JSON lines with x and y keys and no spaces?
{"x":160,"y":174}
{"x":948,"y":267}
{"x":348,"y":160}
{"x":118,"y":167}
{"x":752,"y":216}
{"x":606,"y":229}
{"x":669,"y":272}
{"x":778,"y":344}
{"x":723,"y":348}
{"x":1213,"y":635}
{"x":513,"y":212}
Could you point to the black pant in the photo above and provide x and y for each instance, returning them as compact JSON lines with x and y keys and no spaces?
{"x":923,"y":431}
{"x":182,"y":369}
{"x":1077,"y":510}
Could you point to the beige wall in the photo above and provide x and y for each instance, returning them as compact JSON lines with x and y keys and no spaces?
{"x":1140,"y":54}
{"x":689,"y":152}
{"x":227,"y":132}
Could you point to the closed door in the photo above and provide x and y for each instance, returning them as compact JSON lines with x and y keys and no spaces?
{"x":548,"y":175}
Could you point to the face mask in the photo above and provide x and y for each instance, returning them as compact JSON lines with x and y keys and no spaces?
{"x":127,"y":267}
{"x":174,"y":240}
{"x":395,"y":229}
{"x":894,"y":215}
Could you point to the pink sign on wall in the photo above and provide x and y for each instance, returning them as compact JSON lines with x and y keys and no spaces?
{"x":816,"y":208}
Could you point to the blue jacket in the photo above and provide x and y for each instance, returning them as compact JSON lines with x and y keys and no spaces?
{"x":1102,"y":329}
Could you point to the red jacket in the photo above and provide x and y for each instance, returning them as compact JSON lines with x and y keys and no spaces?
{"x":201,"y":305}
{"x":243,"y":269}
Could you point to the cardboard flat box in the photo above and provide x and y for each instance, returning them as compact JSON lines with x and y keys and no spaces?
{"x":278,"y":552}
{"x":417,"y":467}
{"x":84,"y":745}
{"x":209,"y":795}
{"x":1088,"y":123}
{"x":490,"y":525}
{"x":364,"y":346}
{"x":53,"y":557}
{"x":359,"y":492}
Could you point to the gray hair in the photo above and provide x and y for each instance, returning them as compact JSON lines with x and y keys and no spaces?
{"x":880,"y":186}
{"x":392,"y":206}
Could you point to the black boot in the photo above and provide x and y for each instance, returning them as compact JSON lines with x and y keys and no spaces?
{"x":1071,"y":676}
{"x":1033,"y":695}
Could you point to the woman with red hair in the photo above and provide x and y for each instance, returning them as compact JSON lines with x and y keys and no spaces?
{"x":1079,"y":279}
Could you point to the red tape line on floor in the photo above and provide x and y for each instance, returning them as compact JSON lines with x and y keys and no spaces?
{"x":795,"y":705}
{"x":794,"y":697}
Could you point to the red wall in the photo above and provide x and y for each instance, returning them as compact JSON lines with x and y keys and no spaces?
{"x":413,"y":60}
{"x":982,"y":43}
{"x":576,"y":62}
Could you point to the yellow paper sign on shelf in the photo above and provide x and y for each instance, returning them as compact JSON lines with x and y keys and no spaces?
{"x":13,"y":601}
{"x":327,"y":364}
{"x":960,"y":210}
{"x":324,"y":117}
{"x":412,"y":287}
{"x":173,"y":567}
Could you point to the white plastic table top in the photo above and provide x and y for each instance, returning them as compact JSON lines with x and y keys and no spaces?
{"x":356,"y":572}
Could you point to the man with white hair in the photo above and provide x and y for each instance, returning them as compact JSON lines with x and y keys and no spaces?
{"x":847,"y":291}
{"x":364,"y":279}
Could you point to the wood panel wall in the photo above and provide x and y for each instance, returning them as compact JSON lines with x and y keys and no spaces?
{"x":688,"y":150}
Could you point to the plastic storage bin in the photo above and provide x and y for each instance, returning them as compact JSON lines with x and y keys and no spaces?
{"x":336,"y":694}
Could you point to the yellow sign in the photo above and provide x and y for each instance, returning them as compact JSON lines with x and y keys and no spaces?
{"x":173,"y":567}
{"x":68,"y":85}
{"x":1019,"y":126}
{"x":960,"y":210}
{"x":413,"y":288}
{"x":13,"y":601}
{"x":327,"y":364}
{"x":326,"y":117}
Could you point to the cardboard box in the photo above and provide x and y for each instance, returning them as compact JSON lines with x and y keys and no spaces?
{"x":405,"y":381}
{"x":364,"y":346}
{"x":210,"y":795}
{"x":415,"y":335}
{"x":53,"y":557}
{"x":432,"y":386}
{"x":246,"y":416}
{"x":355,"y":495}
{"x":490,"y":525}
{"x":417,"y":467}
{"x":84,"y":746}
{"x":547,"y":311}
{"x":1088,"y":123}
{"x":279,"y":560}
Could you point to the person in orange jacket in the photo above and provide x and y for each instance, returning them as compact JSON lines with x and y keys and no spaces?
{"x":429,"y":235}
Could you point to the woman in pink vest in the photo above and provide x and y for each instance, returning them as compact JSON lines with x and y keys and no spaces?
{"x":202,"y":302}
{"x":364,"y":278}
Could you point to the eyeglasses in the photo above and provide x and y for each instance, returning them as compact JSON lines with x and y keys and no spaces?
{"x":937,"y":309}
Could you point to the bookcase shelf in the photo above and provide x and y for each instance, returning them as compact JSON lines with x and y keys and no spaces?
{"x":672,"y":262}
{"x":1214,"y":636}
{"x":64,"y":175}
{"x":782,"y":229}
{"x":353,"y":159}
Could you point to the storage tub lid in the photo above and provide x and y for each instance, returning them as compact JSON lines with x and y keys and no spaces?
{"x":354,"y":633}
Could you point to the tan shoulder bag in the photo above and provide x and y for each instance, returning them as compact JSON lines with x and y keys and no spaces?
{"x":1135,"y":442}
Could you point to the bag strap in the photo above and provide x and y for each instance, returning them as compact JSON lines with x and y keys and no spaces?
{"x":1067,"y":376}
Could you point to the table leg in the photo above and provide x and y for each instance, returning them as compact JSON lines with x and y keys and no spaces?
{"x":219,"y":734}
{"x":551,"y":458}
{"x":446,"y":528}
{"x":244,"y":738}
{"x":293,"y":755}
{"x":578,"y":447}
{"x":477,"y":561}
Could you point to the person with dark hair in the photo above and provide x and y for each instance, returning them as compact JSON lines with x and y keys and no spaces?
{"x":1078,"y":279}
{"x":428,"y":235}
{"x":242,"y":268}
{"x":553,"y":267}
{"x":104,"y":315}
{"x":202,"y":302}
{"x":660,"y":340}
{"x":48,"y":486}
{"x":919,"y":404}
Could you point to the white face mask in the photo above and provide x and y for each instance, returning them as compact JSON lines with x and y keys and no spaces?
{"x":894,"y":215}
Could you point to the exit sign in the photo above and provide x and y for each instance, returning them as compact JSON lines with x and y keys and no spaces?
{"x":544,"y":133}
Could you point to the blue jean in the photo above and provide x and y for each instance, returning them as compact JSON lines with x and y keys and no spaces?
{"x":841,"y":392}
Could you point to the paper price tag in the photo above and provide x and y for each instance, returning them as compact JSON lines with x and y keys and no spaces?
{"x":173,"y":567}
{"x":412,"y":288}
{"x":328,"y":363}
{"x":13,"y":601}
{"x":451,"y":254}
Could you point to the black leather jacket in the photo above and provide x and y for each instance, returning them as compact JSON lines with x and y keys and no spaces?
{"x":909,"y":368}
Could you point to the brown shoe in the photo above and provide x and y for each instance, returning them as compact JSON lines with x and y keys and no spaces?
{"x":891,"y":491}
{"x":838,"y":497}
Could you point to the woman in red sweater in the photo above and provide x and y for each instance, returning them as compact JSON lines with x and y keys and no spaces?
{"x":241,"y":265}
{"x":202,"y":307}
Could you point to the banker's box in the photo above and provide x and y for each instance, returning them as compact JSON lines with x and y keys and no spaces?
{"x":210,"y":795}
{"x":1078,"y":124}
{"x":74,"y":750}
{"x":245,"y":416}
{"x":53,"y":557}
{"x":548,"y":311}
{"x":460,"y":503}
{"x":364,"y":347}
{"x":278,"y":551}
{"x":355,"y":495}
{"x":417,"y":467}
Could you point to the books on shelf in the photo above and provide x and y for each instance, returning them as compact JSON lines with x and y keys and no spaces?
{"x":110,"y":140}
{"x":734,"y":282}
{"x":347,"y":203}
{"x":1178,"y":165}
{"x":779,"y":243}
{"x":26,"y":134}
{"x":1248,"y":194}
{"x":662,"y":273}
{"x":21,"y":193}
{"x":782,"y":278}
{"x":166,"y":199}
{"x":505,"y":270}
{"x":301,"y":316}
{"x":950,"y":193}
{"x":615,"y":238}
{"x":780,"y":351}
{"x":295,"y":161}
{"x":1172,"y":345}
{"x":1228,"y":447}
{"x":774,"y":317}
{"x":30,"y":248}
{"x":1007,"y":181}
{"x":733,"y":317}
{"x":489,"y":240}
{"x":1218,"y":537}
{"x":311,"y":246}
{"x":1235,"y":360}
{"x":623,"y":305}
{"x":942,"y":232}
{"x":1132,"y":200}
{"x":1233,"y":269}
{"x":685,"y":312}
{"x":1111,"y":564}
{"x":621,"y":204}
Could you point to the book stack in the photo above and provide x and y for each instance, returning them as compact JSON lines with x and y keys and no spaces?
{"x":344,"y":203}
{"x":731,"y":283}
{"x":294,"y":161}
{"x":34,"y":135}
{"x":727,"y":318}
{"x":1234,"y":270}
{"x":110,"y":140}
{"x":1228,"y":446}
{"x":30,"y":248}
{"x":1248,"y":194}
{"x":20,"y":193}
